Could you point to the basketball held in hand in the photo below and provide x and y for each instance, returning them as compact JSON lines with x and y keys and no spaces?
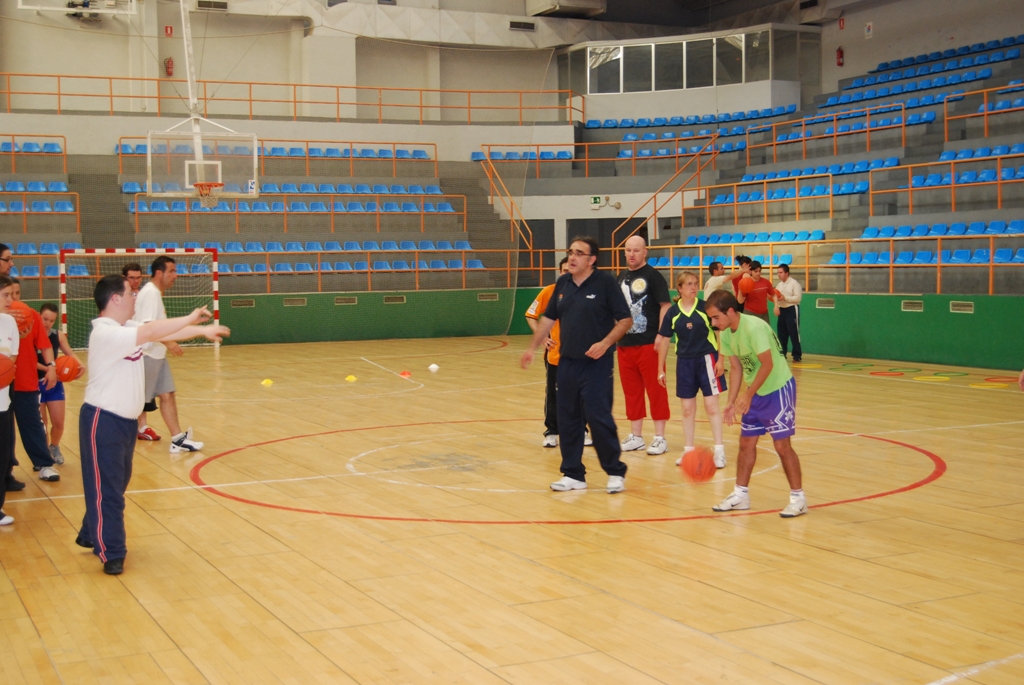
{"x":698,"y":465}
{"x":67,"y":369}
{"x":7,"y":370}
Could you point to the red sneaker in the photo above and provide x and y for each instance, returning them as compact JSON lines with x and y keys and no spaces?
{"x":148,"y":434}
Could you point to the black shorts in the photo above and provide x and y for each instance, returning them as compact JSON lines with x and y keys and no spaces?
{"x":698,"y":373}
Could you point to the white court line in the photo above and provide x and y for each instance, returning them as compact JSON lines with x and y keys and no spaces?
{"x":976,"y":670}
{"x":392,"y":372}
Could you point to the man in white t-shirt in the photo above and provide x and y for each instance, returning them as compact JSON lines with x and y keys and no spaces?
{"x":108,"y":421}
{"x":9,"y":339}
{"x":720,"y":279}
{"x":149,"y":306}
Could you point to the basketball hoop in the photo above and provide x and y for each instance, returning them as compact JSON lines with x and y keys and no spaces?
{"x":208,"y":193}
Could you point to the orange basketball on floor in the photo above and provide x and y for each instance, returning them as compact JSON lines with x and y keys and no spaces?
{"x":698,"y":465}
{"x":67,"y":369}
{"x":7,"y":369}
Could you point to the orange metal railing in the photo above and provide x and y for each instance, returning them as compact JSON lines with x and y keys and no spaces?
{"x":987,"y":96}
{"x":910,"y":189}
{"x":734,"y":190}
{"x":328,"y":200}
{"x":25,"y":198}
{"x":586,"y":154}
{"x":871,"y":114}
{"x":349,"y":149}
{"x":11,"y":146}
{"x":694,"y":166}
{"x":505,"y":261}
{"x":497,"y":189}
{"x":115,"y":94}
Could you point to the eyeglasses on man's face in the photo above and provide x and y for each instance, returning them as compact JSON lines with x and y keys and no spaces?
{"x":577,"y":253}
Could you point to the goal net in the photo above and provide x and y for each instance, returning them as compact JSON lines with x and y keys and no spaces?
{"x":195,"y":285}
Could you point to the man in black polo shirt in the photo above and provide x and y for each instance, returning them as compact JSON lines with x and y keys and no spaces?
{"x":593,"y":315}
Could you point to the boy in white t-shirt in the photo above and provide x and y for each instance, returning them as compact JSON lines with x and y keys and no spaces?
{"x":9,"y":339}
{"x":108,"y":421}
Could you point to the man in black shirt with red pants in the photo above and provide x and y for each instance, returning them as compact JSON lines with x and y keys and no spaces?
{"x":593,"y":316}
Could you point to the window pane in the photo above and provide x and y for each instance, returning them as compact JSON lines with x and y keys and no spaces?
{"x":757,"y":54}
{"x":578,"y":72}
{"x":668,"y":66}
{"x":784,"y":56}
{"x":636,"y":68}
{"x":700,"y":63}
{"x":604,"y":69}
{"x":729,"y":58}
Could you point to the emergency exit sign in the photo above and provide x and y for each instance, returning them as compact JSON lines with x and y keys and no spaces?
{"x":595,"y":202}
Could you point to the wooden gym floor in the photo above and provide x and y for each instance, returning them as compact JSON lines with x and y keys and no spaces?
{"x":398,"y":530}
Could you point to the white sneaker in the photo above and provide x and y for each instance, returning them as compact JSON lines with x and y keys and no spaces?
{"x":566,"y":483}
{"x":680,"y":459}
{"x":633,"y":443}
{"x":734,"y":502}
{"x":5,"y":520}
{"x":185,"y":443}
{"x":550,"y":441}
{"x":720,"y":458}
{"x":55,"y":453}
{"x":616,"y":484}
{"x":587,"y":440}
{"x":658,"y":446}
{"x":797,"y":506}
{"x":49,"y":474}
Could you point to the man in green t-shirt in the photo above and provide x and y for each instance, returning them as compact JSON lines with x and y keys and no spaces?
{"x":768,"y":405}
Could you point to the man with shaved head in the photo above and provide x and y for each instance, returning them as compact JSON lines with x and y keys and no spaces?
{"x":647,"y":294}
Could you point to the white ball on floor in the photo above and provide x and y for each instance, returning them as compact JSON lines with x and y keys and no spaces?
{"x":433,"y":368}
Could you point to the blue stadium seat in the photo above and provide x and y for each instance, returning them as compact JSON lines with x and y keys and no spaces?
{"x":303,"y":267}
{"x":426,"y":245}
{"x":371,"y":246}
{"x":282,"y":268}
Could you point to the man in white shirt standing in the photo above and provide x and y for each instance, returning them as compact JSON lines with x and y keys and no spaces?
{"x":9,"y":340}
{"x":719,"y":278}
{"x":108,"y":421}
{"x":787,"y":311}
{"x":150,"y":307}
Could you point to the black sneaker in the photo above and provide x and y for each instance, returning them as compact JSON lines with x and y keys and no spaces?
{"x":82,"y":542}
{"x":14,"y":485}
{"x":114,"y":567}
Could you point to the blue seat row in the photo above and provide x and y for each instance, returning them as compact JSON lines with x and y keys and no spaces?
{"x":902,"y":89}
{"x":938,"y":230}
{"x":133,"y":187}
{"x":296,"y":152}
{"x":37,"y":207}
{"x":691,"y":120}
{"x":31,"y":148}
{"x":981,"y":152}
{"x":1002,"y":255}
{"x":325,"y":267}
{"x":1002,"y":105}
{"x":913,"y":119}
{"x":236,"y":247}
{"x":43,"y":248}
{"x":696,"y":261}
{"x":224,"y":206}
{"x":912,"y":86}
{"x":862,"y":166}
{"x":807,"y":191}
{"x":348,"y":189}
{"x":982,"y":176}
{"x":49,"y":271}
{"x":962,"y":51}
{"x":937,"y":68}
{"x":35,"y":187}
{"x":530,"y":156}
{"x":668,"y":152}
{"x":753,"y":237}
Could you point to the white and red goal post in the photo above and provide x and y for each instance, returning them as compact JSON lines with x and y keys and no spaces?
{"x":197,"y":284}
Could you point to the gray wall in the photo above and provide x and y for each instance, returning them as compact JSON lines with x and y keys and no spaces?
{"x":905,"y":28}
{"x":667,"y":103}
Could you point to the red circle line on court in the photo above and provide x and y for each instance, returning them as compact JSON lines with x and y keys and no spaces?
{"x":937,"y":472}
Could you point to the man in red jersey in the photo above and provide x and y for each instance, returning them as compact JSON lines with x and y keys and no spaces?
{"x":754,"y":293}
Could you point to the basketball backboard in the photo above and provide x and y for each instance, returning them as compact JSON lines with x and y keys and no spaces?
{"x":177,"y":159}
